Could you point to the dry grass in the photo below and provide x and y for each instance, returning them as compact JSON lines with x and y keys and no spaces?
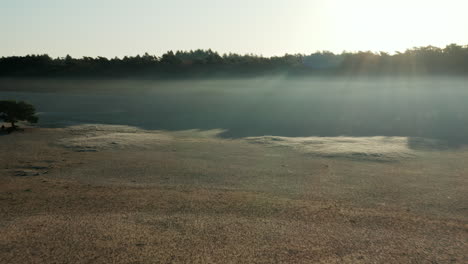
{"x":206,"y":200}
{"x":64,"y":222}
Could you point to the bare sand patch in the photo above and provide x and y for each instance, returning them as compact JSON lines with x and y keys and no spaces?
{"x":95,"y":137}
{"x":104,"y":137}
{"x":367,"y":148}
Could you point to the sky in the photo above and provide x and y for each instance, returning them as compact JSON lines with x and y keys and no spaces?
{"x":265,"y":27}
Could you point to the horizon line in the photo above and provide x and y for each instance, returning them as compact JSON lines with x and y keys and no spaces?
{"x":379,"y":52}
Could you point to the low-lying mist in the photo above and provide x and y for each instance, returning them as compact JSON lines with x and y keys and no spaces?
{"x":414,"y":107}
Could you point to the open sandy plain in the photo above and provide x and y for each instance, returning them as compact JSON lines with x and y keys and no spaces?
{"x":118,"y":194}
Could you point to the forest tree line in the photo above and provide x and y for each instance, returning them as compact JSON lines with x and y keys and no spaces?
{"x":453,"y":59}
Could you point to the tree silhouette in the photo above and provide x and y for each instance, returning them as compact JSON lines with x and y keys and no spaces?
{"x":453,"y":59}
{"x":13,"y":111}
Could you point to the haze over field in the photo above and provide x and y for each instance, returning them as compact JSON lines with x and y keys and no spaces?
{"x":248,"y":131}
{"x":414,"y":107}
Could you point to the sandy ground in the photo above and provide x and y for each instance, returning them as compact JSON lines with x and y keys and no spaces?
{"x":115,"y":194}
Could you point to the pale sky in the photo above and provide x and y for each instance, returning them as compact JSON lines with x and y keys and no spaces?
{"x":265,"y":27}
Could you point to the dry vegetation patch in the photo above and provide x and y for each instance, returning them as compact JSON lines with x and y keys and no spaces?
{"x":189,"y":197}
{"x":66,"y":222}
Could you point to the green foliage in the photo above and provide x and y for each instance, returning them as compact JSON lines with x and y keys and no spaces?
{"x":452,"y":59}
{"x":13,"y":111}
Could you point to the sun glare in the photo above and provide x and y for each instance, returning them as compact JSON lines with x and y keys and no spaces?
{"x":394,"y":25}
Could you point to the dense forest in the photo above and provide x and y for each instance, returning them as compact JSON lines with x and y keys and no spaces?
{"x":453,"y":59}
